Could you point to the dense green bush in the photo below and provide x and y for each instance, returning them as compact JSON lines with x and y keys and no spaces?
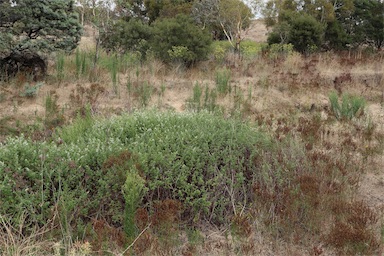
{"x":335,"y":36}
{"x":185,"y":157}
{"x":368,"y":23}
{"x":34,"y":175}
{"x":303,"y":31}
{"x":220,"y":49}
{"x":123,"y":36}
{"x":250,"y":48}
{"x":31,"y":30}
{"x":306,"y":33}
{"x":354,"y":23}
{"x":207,"y":163}
{"x":179,"y":39}
{"x":275,"y":51}
{"x":280,"y":33}
{"x":214,"y":169}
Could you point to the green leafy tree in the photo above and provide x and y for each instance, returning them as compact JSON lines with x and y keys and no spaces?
{"x":333,"y":15}
{"x":303,"y":31}
{"x":306,"y":33}
{"x":368,"y":20}
{"x":280,"y":33}
{"x":128,"y":9}
{"x":336,"y":37}
{"x":230,"y":16}
{"x":95,"y":11}
{"x":151,"y":10}
{"x":31,"y":29}
{"x":167,"y":8}
{"x":181,"y":39}
{"x":123,"y":36}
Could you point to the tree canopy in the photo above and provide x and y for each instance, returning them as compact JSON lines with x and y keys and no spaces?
{"x":31,"y":29}
{"x":230,"y":17}
{"x":150,"y":10}
{"x":179,"y":39}
{"x":346,"y":23}
{"x":369,"y":22}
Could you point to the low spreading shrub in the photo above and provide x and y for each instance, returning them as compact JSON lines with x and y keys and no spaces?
{"x":248,"y":49}
{"x":161,"y":169}
{"x":30,"y":91}
{"x":194,"y":158}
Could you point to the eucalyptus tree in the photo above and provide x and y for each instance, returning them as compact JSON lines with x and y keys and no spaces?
{"x":230,"y":16}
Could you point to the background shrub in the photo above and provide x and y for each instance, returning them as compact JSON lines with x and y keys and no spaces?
{"x":180,"y":33}
{"x":306,"y":33}
{"x":124,"y":36}
{"x":303,"y":31}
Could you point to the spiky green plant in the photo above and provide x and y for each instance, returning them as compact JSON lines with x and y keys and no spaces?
{"x":350,"y":107}
{"x":223,"y":81}
{"x":60,"y":61}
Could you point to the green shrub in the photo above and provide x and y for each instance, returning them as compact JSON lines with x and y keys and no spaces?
{"x":351,"y":106}
{"x":219,"y":49}
{"x":210,"y":99}
{"x":303,"y":31}
{"x":114,"y":77}
{"x":180,"y":38}
{"x":279,"y":34}
{"x":35,"y":175}
{"x":60,"y":62}
{"x":54,"y":116}
{"x":131,"y":36}
{"x":193,"y":158}
{"x":144,"y":91}
{"x":214,"y":168}
{"x":180,"y":53}
{"x":336,"y":37}
{"x":196,"y":103}
{"x":250,"y":48}
{"x":306,"y":33}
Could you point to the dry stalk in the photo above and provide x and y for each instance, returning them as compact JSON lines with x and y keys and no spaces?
{"x":137,"y":238}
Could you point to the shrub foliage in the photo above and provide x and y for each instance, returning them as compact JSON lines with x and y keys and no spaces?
{"x":179,"y":38}
{"x":161,"y":168}
{"x":201,"y":160}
